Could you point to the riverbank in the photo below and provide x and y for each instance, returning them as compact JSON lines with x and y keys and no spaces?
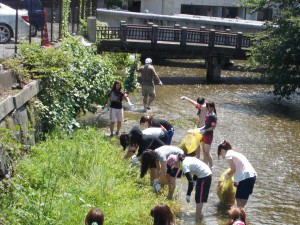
{"x":65,"y":176}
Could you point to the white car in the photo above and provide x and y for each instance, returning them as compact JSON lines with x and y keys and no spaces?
{"x":8,"y":23}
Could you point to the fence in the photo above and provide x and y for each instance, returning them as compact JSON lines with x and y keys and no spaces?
{"x":53,"y":11}
{"x":182,"y":35}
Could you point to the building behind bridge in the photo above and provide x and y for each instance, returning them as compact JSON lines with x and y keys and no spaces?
{"x":210,"y":8}
{"x":212,"y":14}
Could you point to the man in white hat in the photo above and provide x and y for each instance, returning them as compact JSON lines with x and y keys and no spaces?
{"x":148,"y":89}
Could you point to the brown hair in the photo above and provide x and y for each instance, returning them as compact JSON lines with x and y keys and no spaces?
{"x":114,"y":88}
{"x":236,"y":214}
{"x":145,"y":119}
{"x":94,"y":215}
{"x":224,"y":145}
{"x":162,"y":215}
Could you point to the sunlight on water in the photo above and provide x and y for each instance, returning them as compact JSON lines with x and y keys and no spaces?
{"x":266,"y":131}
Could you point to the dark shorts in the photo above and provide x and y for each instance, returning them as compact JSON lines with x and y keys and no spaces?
{"x":174,"y":171}
{"x":207,"y":139}
{"x":170,"y":135}
{"x":245,"y":188}
{"x":202,"y":189}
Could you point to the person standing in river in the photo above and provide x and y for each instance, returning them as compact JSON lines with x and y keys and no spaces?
{"x":148,"y":88}
{"x":115,"y":98}
{"x":243,"y":172}
{"x":200,"y":105}
{"x":197,"y":172}
{"x":150,"y":121}
{"x":208,"y":132}
{"x":160,"y":172}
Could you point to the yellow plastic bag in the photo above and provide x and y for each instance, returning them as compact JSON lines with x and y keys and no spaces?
{"x":227,"y":191}
{"x":191,"y":141}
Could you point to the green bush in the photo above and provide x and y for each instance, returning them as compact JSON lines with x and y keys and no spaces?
{"x":74,"y":79}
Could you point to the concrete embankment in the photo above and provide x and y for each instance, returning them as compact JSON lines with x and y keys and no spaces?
{"x":17,"y":114}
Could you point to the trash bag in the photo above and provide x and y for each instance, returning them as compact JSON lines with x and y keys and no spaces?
{"x":227,"y":191}
{"x":191,"y":141}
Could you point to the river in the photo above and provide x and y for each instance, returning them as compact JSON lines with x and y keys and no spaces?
{"x":265,"y":130}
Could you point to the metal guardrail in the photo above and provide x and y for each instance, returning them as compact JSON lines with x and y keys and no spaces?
{"x":182,"y":35}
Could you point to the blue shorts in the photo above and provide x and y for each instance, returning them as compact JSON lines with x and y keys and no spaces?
{"x":170,"y":135}
{"x":245,"y":188}
{"x":173,"y":172}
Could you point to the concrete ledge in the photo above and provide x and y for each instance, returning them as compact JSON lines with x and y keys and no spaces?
{"x":6,"y":107}
{"x":29,"y":92}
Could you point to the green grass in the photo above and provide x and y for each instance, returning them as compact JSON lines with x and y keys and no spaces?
{"x":64,"y":177}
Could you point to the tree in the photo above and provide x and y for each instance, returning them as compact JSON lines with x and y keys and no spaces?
{"x":278,"y":48}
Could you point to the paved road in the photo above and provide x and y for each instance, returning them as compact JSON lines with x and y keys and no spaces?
{"x":8,"y":50}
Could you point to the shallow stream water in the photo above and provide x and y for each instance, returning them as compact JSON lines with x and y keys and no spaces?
{"x":265,"y":130}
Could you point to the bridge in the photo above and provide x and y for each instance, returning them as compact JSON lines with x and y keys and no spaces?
{"x":150,"y":40}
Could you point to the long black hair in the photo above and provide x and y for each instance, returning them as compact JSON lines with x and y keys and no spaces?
{"x":211,"y":105}
{"x":148,"y":161}
{"x":124,"y":140}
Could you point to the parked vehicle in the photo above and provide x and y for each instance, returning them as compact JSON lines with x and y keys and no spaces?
{"x":8,"y":23}
{"x":38,"y":14}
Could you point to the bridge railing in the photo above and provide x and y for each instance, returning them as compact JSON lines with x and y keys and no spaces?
{"x":181,"y":35}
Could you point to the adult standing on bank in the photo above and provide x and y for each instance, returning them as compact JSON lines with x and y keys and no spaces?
{"x":243,"y":171}
{"x":115,"y":98}
{"x":148,"y":88}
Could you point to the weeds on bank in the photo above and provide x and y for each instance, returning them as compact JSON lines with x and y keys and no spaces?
{"x":64,"y":177}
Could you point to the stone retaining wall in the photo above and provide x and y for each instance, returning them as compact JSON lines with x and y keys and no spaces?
{"x":17,"y":114}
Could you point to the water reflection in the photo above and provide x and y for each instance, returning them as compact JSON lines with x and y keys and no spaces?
{"x":266,"y":131}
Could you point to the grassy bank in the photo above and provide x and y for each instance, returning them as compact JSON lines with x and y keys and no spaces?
{"x":61,"y":179}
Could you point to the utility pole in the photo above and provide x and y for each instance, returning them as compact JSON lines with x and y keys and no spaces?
{"x":16,"y":33}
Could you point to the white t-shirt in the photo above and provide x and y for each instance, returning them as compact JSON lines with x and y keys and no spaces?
{"x":155,"y":131}
{"x":164,"y":151}
{"x":243,"y":167}
{"x":196,"y":167}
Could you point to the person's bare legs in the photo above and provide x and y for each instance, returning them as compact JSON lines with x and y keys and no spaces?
{"x":119,"y":125}
{"x":241,"y":202}
{"x":145,"y":99}
{"x":209,"y":156}
{"x":111,"y":127}
{"x":205,"y":158}
{"x":150,"y":100}
{"x":172,"y":186}
{"x":199,"y":207}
